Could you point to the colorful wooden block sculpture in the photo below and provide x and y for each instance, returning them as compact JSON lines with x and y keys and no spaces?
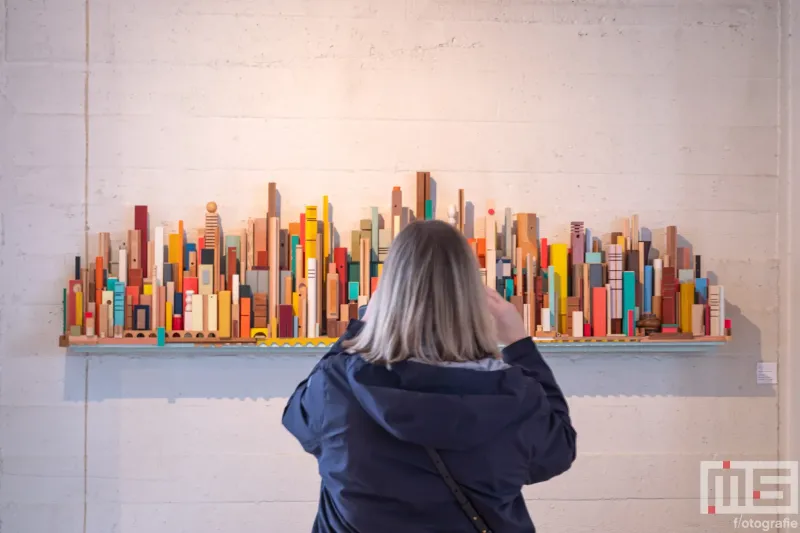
{"x":273,"y":281}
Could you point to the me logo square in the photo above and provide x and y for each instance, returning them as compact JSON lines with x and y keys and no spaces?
{"x":749,"y":487}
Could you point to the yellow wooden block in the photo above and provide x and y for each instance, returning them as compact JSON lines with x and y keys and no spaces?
{"x":224,"y":299}
{"x":174,"y":248}
{"x":558,"y":258}
{"x":79,"y":309}
{"x":168,"y":316}
{"x":296,"y":303}
{"x":312,"y":228}
{"x":255,"y":332}
{"x":621,"y":242}
{"x":148,"y":289}
{"x":326,"y":234}
{"x":687,"y":301}
{"x":380,"y":269}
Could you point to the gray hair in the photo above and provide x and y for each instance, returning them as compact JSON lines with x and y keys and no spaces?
{"x":430,"y":304}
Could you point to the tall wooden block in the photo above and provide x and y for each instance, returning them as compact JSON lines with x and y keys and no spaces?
{"x":599,"y":306}
{"x":212,"y":312}
{"x":577,"y":242}
{"x":311,"y":331}
{"x":698,"y":315}
{"x":491,"y":243}
{"x":527,"y":235}
{"x":332,"y":296}
{"x":687,"y":302}
{"x":224,"y":304}
{"x":558,"y":253}
{"x":397,"y":211}
{"x":628,"y":298}
{"x":419,"y":212}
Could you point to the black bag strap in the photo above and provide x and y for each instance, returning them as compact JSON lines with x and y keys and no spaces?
{"x":462,"y":499}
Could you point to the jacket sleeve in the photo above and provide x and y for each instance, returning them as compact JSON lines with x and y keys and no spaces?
{"x":303,"y":414}
{"x":554,"y":446}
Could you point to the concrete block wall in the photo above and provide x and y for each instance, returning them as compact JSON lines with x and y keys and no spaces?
{"x":578,"y":112}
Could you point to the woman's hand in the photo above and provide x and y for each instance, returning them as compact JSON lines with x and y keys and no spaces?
{"x":509,"y":326}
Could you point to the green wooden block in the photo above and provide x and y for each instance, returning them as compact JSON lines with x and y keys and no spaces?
{"x":373,"y":270}
{"x":295,"y":240}
{"x":234,"y":241}
{"x":354,"y":271}
{"x":161,"y":336}
{"x":628,"y":297}
{"x":509,"y":292}
{"x":428,"y":209}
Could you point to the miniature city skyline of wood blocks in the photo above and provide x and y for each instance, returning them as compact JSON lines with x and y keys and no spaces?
{"x":274,"y":284}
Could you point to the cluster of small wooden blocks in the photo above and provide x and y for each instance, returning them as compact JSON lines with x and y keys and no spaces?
{"x":290,"y":284}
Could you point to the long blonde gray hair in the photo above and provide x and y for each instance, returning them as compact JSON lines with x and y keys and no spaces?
{"x":430,"y":304}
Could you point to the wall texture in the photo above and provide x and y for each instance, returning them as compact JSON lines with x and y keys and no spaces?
{"x":667,"y":109}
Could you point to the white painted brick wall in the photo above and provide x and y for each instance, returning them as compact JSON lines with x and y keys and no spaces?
{"x":591,"y":112}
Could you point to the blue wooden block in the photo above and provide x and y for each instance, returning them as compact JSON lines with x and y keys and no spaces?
{"x":701,"y":290}
{"x":553,"y":297}
{"x":119,"y":303}
{"x":189,"y":247}
{"x":177,"y":306}
{"x":352,"y":290}
{"x":648,"y":289}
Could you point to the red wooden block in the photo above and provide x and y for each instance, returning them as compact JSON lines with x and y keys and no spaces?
{"x":190,"y":284}
{"x":285,"y":321}
{"x":587,"y":330}
{"x":340,"y":258}
{"x":631,"y":324}
{"x":544,"y":255}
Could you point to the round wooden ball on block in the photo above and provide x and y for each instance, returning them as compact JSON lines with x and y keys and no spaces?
{"x":211,"y":207}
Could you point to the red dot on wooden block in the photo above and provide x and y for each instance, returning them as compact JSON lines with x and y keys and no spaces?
{"x":756,"y":494}
{"x":726,"y":464}
{"x":491,"y":211}
{"x":712,"y":509}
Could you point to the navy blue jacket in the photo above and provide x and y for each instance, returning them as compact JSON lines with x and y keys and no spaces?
{"x":498,"y":425}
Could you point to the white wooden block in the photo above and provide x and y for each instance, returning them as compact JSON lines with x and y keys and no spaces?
{"x":213,"y":310}
{"x":545,"y":319}
{"x":312,"y":297}
{"x":577,"y":323}
{"x":197,"y":312}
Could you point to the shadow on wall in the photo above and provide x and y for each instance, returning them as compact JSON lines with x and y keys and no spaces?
{"x":728,"y":372}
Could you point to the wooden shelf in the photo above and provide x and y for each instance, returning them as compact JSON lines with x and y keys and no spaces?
{"x":319,"y":346}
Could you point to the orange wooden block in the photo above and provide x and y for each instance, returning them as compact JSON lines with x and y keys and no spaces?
{"x":374,"y":285}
